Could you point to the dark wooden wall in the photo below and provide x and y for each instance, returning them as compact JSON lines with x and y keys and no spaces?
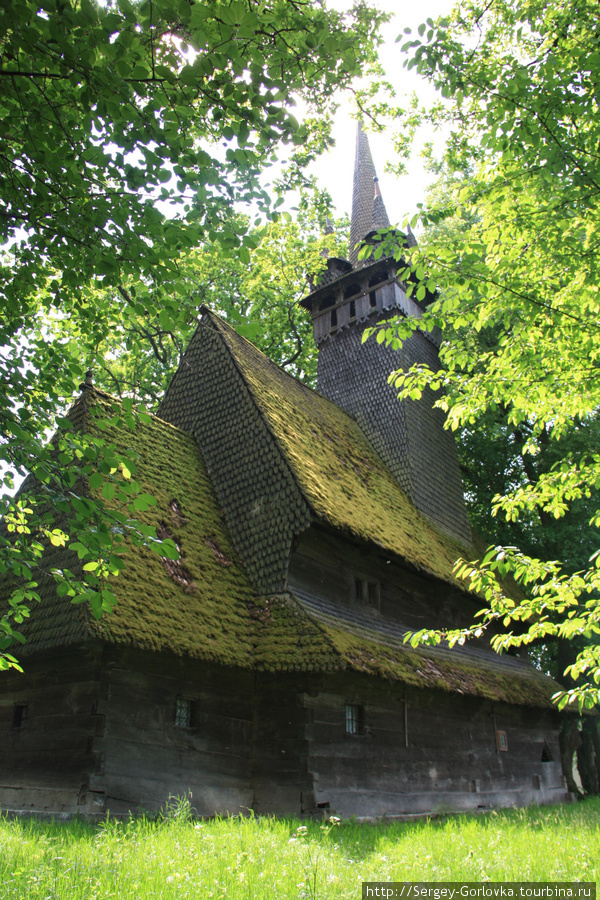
{"x":46,"y":765}
{"x":283,"y":784}
{"x":324,"y":565}
{"x":422,"y":750}
{"x":148,"y":758}
{"x":427,"y":751}
{"x":100,"y":735}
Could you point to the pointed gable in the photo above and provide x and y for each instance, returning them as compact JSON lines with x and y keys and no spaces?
{"x":211,"y":398}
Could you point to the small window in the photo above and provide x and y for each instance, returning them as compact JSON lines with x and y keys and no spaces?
{"x":547,"y":753}
{"x":19,"y":715}
{"x":366,"y":592}
{"x":372,"y":299}
{"x":501,"y":740}
{"x":352,"y":309}
{"x":334,"y":318}
{"x":373,"y":594}
{"x":355,"y":719}
{"x":183,"y":712}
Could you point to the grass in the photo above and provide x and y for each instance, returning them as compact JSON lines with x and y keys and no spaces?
{"x":252,"y":859}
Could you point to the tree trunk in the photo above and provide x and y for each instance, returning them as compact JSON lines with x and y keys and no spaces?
{"x":586,"y":760}
{"x":591,"y":728}
{"x":570,"y":741}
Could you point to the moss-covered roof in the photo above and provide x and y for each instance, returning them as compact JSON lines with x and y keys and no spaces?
{"x":374,"y":646}
{"x":213,"y":613}
{"x":339,"y":473}
{"x":206,"y":614}
{"x":297,"y":635}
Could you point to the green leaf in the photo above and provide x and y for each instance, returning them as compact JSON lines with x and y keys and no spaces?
{"x":96,"y":480}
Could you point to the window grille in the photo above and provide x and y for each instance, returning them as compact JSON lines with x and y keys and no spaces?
{"x":183,"y":712}
{"x":354,"y":719}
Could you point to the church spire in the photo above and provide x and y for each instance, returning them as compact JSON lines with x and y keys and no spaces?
{"x":352,"y":296}
{"x":368,"y":208}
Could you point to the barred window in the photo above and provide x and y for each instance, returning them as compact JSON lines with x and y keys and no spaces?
{"x":355,"y":717}
{"x":183,"y":712}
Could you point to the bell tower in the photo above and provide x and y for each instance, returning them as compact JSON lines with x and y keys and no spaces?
{"x":352,"y":296}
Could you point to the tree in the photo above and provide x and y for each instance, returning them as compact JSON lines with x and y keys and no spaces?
{"x":520,"y":98}
{"x":260,"y":298}
{"x":129,"y":131}
{"x":490,"y":451}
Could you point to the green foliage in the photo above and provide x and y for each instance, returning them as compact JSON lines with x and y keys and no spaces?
{"x":261,"y":857}
{"x":129,"y":129}
{"x":257,"y":290}
{"x":491,"y":451}
{"x":521,"y":104}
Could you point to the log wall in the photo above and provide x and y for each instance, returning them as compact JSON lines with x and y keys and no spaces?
{"x":100,"y":735}
{"x":323,"y":565}
{"x":427,"y":751}
{"x":48,"y":760}
{"x":149,"y":758}
{"x":283,"y":784}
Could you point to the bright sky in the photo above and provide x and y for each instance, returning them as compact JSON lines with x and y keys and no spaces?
{"x":335,"y":169}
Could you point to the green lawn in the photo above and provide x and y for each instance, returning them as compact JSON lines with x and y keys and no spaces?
{"x":281,"y":858}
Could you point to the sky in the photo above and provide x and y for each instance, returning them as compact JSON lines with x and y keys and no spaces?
{"x":335,"y":168}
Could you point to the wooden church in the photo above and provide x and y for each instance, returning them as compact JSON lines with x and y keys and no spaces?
{"x":265,"y":669}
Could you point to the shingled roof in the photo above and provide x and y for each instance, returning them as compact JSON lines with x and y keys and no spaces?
{"x":200,"y":610}
{"x":214,"y":613}
{"x":368,"y":209}
{"x":280,"y":456}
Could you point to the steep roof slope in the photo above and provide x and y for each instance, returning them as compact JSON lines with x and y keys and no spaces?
{"x":368,"y":209}
{"x":200,"y":607}
{"x":340,"y":476}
